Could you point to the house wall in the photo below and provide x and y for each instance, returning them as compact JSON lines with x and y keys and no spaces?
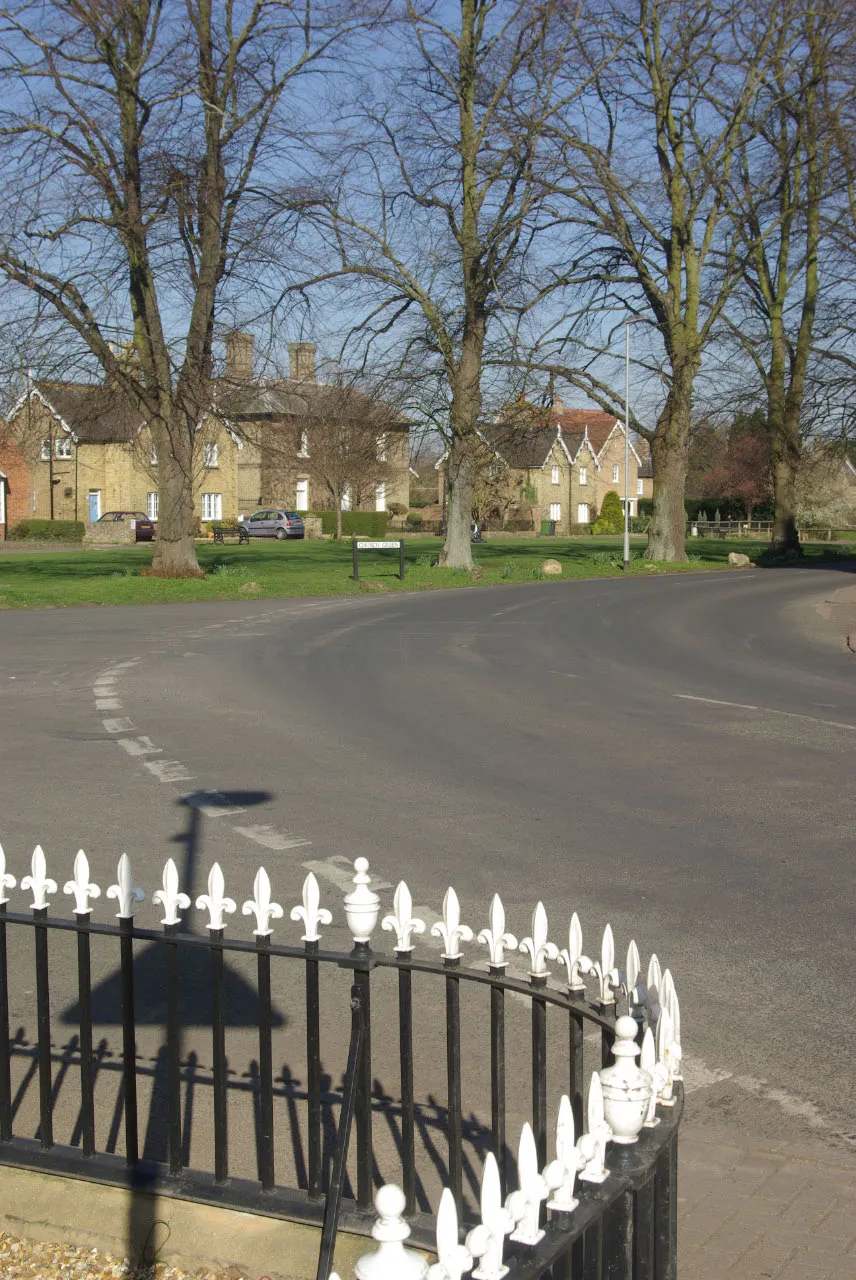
{"x":19,"y":485}
{"x":281,"y":468}
{"x":549,"y":493}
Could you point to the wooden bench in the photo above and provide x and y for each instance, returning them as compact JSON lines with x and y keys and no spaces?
{"x":231,"y":531}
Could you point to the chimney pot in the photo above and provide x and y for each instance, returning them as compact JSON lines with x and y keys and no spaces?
{"x":301,"y":361}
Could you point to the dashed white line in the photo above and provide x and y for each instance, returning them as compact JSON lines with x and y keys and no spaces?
{"x":270,"y":838}
{"x":716,"y":702}
{"x":768,"y":711}
{"x":213,"y":803}
{"x":108,"y":704}
{"x":122,"y":724}
{"x":141,"y":746}
{"x":168,"y":770}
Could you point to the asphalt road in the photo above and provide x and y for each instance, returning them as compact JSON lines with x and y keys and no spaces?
{"x":674,"y":755}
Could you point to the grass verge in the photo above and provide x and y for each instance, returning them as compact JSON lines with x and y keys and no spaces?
{"x":311,"y":568}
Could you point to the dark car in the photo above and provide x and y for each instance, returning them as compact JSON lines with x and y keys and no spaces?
{"x":275,"y":522}
{"x":144,"y":526}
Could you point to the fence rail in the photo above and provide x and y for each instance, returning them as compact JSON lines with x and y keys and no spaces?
{"x":572,"y":1029}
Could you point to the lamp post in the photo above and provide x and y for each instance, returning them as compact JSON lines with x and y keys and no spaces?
{"x":627,"y":324}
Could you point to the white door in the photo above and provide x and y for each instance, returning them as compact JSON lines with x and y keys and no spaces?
{"x":380,"y":497}
{"x":301,"y":497}
{"x":582,"y":513}
{"x":555,"y":510}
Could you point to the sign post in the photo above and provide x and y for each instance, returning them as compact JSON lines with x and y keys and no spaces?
{"x":378,"y":546}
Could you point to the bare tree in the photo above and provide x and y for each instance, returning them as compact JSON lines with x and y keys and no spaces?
{"x":647,"y":157}
{"x":438,"y":205}
{"x":133,"y":134}
{"x":786,"y":201}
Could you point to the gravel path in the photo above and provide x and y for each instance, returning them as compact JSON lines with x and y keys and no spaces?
{"x":31,"y":1260}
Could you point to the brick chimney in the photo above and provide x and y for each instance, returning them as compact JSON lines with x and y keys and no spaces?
{"x":301,"y":361}
{"x":239,"y":357}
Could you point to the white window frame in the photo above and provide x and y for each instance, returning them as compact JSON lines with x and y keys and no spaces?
{"x":615,"y":473}
{"x":152,"y":503}
{"x":301,"y":494}
{"x":555,"y":511}
{"x":212,"y":506}
{"x":554,"y":474}
{"x":580,"y":507}
{"x":211,"y":455}
{"x":303,"y":451}
{"x":346,"y":498}
{"x":380,"y":496}
{"x":583,"y":476}
{"x":62,"y":448}
{"x":640,"y":486}
{"x":46,"y":449}
{"x":381,"y":447}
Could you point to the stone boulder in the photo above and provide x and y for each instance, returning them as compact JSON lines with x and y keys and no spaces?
{"x":739,"y":560}
{"x":552,"y":568}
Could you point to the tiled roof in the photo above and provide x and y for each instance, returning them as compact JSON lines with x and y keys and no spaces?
{"x":522,"y":444}
{"x":96,"y":414}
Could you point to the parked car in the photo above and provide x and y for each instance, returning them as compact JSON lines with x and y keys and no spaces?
{"x":275,"y":523}
{"x":145,"y":526}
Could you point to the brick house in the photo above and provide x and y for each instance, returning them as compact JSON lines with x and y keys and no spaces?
{"x":72,"y":451}
{"x":556,"y":464}
{"x":15,"y":492}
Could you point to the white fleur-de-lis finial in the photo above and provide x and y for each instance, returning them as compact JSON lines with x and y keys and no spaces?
{"x":592,"y":1145}
{"x":495,"y":938}
{"x":215,"y":901}
{"x":311,"y":912}
{"x":6,"y":881}
{"x":401,"y":920}
{"x":572,"y":957}
{"x":562,"y":1172}
{"x":670,"y":999}
{"x":261,"y":906}
{"x":453,"y":1259}
{"x":653,"y":989}
{"x":539,"y":949}
{"x":608,"y":977}
{"x":450,"y":928}
{"x":38,"y":880}
{"x":125,"y":891}
{"x":169,"y":896}
{"x":80,"y":886}
{"x":648,"y":1062}
{"x":524,"y":1205}
{"x":487,"y":1240}
{"x":668,"y":1056}
{"x":362,"y":905}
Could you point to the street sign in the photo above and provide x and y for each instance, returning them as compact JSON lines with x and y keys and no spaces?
{"x":397,"y":545}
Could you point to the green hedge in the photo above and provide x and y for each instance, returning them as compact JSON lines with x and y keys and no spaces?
{"x":365,"y":524}
{"x":47,"y":531}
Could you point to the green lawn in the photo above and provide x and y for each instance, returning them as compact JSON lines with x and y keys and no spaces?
{"x":324,"y":568}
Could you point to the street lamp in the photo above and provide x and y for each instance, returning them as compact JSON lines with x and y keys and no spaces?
{"x":627,"y":324}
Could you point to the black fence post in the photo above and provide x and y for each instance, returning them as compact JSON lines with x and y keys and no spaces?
{"x":313,"y":1066}
{"x":43,"y":1019}
{"x":539,"y":1067}
{"x":453,"y":1078}
{"x":84,"y":988}
{"x":356,"y":552}
{"x":350,"y":1091}
{"x":365,"y":1160}
{"x":497,"y":1073}
{"x":218,"y":1053}
{"x":5,"y":1058}
{"x":405,"y":1053}
{"x":266,"y":1144}
{"x":129,"y":1038}
{"x":173,"y":1050}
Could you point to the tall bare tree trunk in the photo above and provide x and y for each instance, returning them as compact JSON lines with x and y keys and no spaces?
{"x":174,"y":554}
{"x":786,"y":449}
{"x":457,"y":550}
{"x":339,"y":519}
{"x":667,"y":531}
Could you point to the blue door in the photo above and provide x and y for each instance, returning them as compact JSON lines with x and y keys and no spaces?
{"x":94,"y":506}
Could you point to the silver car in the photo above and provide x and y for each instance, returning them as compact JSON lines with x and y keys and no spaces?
{"x":275,"y":522}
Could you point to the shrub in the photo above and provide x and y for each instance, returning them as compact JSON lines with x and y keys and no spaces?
{"x":362,"y":524}
{"x":611,"y":518}
{"x":645,"y":506}
{"x":414,"y":519}
{"x":397,"y":509}
{"x":47,"y":531}
{"x":519,"y":526}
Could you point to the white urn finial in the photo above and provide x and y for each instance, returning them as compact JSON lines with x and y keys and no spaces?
{"x":6,"y":881}
{"x":261,"y":905}
{"x":170,"y":898}
{"x":453,"y":1259}
{"x":311,"y":912}
{"x":362,"y":905}
{"x":627,"y":1089}
{"x":495,"y":938}
{"x":537,"y":946}
{"x":124,"y":890}
{"x":401,"y":921}
{"x":450,"y":928}
{"x":39,"y":881}
{"x":390,"y":1230}
{"x":80,"y":886}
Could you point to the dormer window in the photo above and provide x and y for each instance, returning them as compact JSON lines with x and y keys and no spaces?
{"x":303,"y":451}
{"x":210,"y":455}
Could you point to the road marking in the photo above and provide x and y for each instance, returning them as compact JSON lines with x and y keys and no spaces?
{"x":108,"y":704}
{"x":566,"y":674}
{"x":716,"y":702}
{"x":141,"y":746}
{"x":769,"y":711}
{"x":342,"y":877}
{"x":122,"y":724}
{"x":213,"y":803}
{"x":270,"y":838}
{"x":168,"y":770}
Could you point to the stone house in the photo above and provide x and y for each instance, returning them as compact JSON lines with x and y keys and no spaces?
{"x":555,"y":464}
{"x":72,"y":451}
